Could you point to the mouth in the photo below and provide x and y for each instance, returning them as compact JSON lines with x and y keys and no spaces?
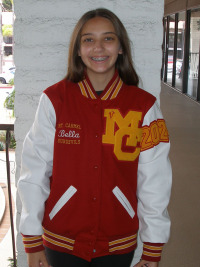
{"x":99,"y":59}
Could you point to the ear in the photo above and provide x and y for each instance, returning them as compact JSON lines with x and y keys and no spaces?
{"x":79,"y":52}
{"x":120,"y":51}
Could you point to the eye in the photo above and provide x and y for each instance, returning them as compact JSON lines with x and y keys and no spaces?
{"x":109,"y":38}
{"x":87,"y":40}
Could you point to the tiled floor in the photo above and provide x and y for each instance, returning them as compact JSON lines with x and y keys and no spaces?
{"x":183,"y":120}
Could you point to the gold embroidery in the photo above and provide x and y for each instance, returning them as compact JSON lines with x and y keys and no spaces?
{"x":129,"y":127}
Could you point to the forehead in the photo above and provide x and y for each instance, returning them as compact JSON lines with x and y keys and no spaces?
{"x":98,"y":25}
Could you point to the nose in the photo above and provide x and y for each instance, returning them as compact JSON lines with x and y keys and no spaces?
{"x":98,"y":45}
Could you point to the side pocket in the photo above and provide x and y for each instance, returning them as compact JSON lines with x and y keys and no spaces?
{"x":124,"y":201}
{"x":62,"y":201}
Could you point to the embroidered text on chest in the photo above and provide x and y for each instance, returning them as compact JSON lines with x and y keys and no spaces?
{"x":71,"y":134}
{"x":119,"y":128}
{"x":68,"y":133}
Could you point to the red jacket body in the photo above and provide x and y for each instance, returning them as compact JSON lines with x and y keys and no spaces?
{"x":92,"y":205}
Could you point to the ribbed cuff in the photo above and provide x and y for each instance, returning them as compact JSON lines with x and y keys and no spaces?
{"x":32,"y":243}
{"x":152,"y":251}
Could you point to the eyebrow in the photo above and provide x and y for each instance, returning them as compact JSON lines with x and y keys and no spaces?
{"x":85,"y":34}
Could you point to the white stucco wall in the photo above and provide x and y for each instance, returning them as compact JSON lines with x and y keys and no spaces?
{"x":41,"y":35}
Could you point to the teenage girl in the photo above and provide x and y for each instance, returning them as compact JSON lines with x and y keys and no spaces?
{"x":95,"y":165}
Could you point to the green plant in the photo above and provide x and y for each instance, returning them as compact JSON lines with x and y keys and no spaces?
{"x":12,"y":141}
{"x":11,"y":260}
{"x":11,"y":82}
{"x":1,"y":146}
{"x":12,"y":144}
{"x":7,"y":30}
{"x":2,"y":136}
{"x":7,"y":4}
{"x":9,"y":101}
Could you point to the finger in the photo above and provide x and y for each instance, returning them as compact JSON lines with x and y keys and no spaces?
{"x":44,"y":264}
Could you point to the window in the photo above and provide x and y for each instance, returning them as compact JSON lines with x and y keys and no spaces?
{"x":171,"y":49}
{"x":180,"y":50}
{"x":193,"y":69}
{"x":181,"y":56}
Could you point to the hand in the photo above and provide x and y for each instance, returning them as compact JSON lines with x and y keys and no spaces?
{"x":144,"y":263}
{"x":37,"y":259}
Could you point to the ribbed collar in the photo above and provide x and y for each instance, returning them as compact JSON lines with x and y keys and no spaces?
{"x":110,"y":92}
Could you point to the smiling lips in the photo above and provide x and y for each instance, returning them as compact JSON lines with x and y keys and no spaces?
{"x":99,"y":59}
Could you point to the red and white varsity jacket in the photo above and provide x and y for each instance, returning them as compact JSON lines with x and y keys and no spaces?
{"x":95,"y":169}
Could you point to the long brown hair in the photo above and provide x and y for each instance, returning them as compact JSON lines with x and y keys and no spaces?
{"x":124,"y":63}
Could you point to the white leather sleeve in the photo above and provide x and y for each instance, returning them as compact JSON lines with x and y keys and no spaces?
{"x":36,"y":168}
{"x":154,"y":187}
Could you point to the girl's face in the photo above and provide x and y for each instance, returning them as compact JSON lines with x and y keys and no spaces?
{"x":99,"y":47}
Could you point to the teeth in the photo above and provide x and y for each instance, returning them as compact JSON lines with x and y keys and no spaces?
{"x":99,"y":58}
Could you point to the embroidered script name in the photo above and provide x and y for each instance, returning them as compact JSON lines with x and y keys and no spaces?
{"x":71,"y":134}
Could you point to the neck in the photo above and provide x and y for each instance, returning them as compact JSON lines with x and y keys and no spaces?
{"x":99,"y":81}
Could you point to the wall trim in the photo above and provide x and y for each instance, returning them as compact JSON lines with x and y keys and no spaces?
{"x":174,"y":7}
